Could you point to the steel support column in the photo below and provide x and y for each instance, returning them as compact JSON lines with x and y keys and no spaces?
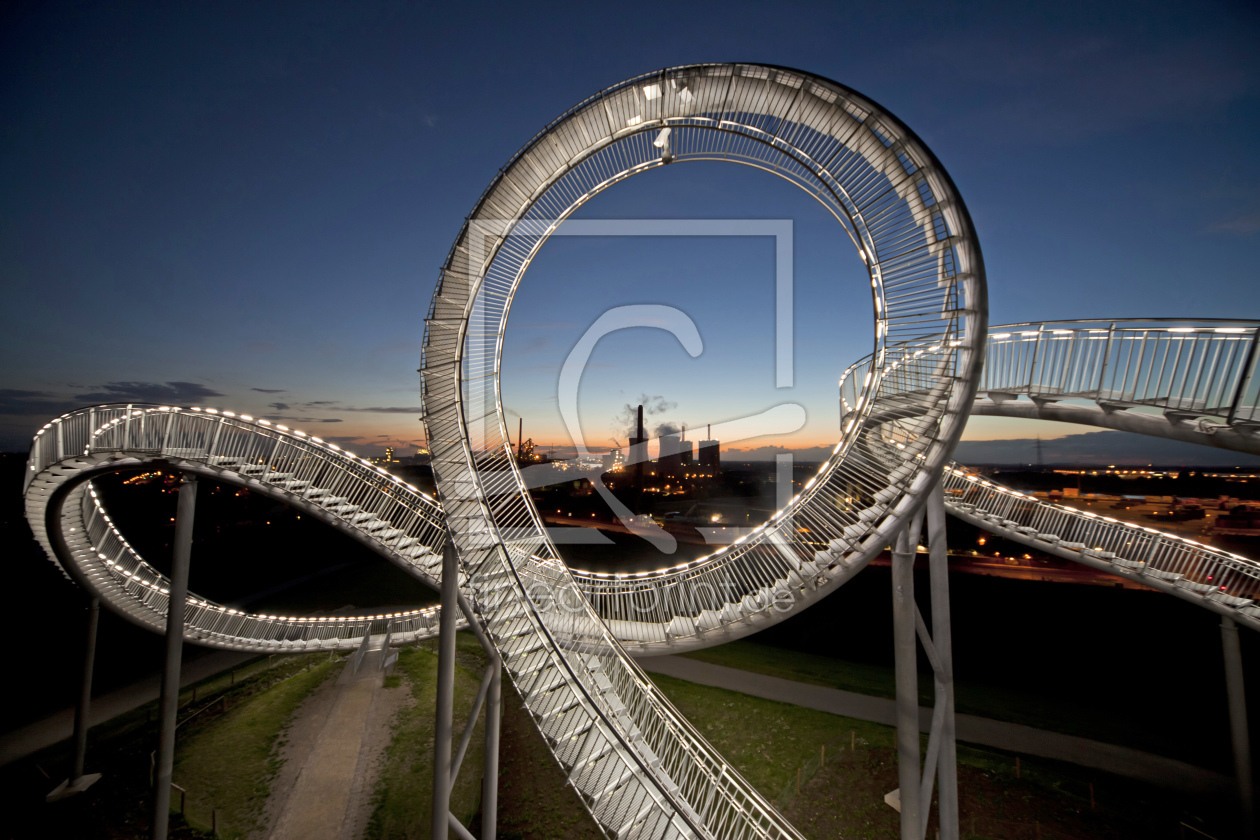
{"x":445,"y":693}
{"x":907,"y":673}
{"x":947,"y":761}
{"x":490,"y":695}
{"x":77,"y":782}
{"x":490,"y":771}
{"x":1238,"y":725}
{"x":84,"y":709}
{"x":168,"y":704}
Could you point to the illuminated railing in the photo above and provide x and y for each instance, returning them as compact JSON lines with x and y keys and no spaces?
{"x":798,"y":556}
{"x":1228,"y":582}
{"x":1220,"y":580}
{"x":1191,"y":366}
{"x":642,"y":769}
{"x":316,"y":477}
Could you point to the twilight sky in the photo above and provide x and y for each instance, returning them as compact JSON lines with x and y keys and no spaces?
{"x":245,"y":206}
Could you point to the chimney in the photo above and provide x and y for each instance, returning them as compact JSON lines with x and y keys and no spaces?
{"x":638,"y":452}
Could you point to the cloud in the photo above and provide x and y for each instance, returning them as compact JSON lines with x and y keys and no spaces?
{"x":656,"y":405}
{"x":535,"y":345}
{"x":345,"y":440}
{"x":1099,"y":448}
{"x":293,"y":419}
{"x":268,"y":390}
{"x":177,"y":393}
{"x":393,"y":409}
{"x":38,"y":403}
{"x":663,"y":429}
{"x":814,"y":454}
{"x":627,"y":421}
{"x":1244,"y":225}
{"x":278,"y":406}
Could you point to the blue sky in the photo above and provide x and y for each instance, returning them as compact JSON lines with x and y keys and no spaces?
{"x":246,"y":207}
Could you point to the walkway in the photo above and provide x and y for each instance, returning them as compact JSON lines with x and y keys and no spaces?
{"x":58,"y":727}
{"x":1013,"y":737}
{"x":318,"y":804}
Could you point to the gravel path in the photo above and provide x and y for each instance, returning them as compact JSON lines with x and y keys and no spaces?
{"x":320,"y":798}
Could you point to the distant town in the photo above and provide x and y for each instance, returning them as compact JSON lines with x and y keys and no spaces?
{"x":706,"y":504}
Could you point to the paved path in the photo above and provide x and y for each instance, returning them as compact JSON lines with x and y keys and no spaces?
{"x":317,"y":806}
{"x":1013,"y":737}
{"x":58,"y":727}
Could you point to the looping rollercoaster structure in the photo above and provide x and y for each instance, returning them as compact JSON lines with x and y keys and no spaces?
{"x":317,"y":478}
{"x":645,"y":770}
{"x":568,"y":637}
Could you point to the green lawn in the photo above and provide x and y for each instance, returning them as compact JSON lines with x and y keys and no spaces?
{"x":769,"y":743}
{"x":227,"y":761}
{"x":986,"y":701}
{"x":404,"y":793}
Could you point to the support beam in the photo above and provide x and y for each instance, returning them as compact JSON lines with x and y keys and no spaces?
{"x":445,"y":694}
{"x":489,"y":695}
{"x":947,"y":758}
{"x":77,"y":782}
{"x":1238,"y":725}
{"x":168,"y":703}
{"x":490,"y":771}
{"x":84,"y":709}
{"x":466,"y":738}
{"x":907,"y":674}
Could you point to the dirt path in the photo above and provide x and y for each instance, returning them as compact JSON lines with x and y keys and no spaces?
{"x":377,"y":736}
{"x":331,"y":754}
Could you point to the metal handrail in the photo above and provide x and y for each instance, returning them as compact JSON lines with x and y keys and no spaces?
{"x":1219,"y":580}
{"x":1225,"y":582}
{"x":1199,"y":367}
{"x":896,"y":201}
{"x":314,"y":476}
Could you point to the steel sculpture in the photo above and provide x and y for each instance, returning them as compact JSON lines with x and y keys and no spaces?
{"x":317,"y":478}
{"x":642,"y":770}
{"x":567,"y":637}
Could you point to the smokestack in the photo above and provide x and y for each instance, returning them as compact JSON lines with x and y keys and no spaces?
{"x":709,"y":432}
{"x":520,"y":435}
{"x":638,"y":452}
{"x":684,"y":432}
